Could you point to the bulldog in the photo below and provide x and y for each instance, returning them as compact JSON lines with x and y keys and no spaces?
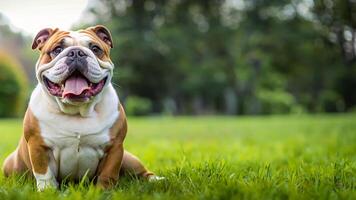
{"x":74,"y":125}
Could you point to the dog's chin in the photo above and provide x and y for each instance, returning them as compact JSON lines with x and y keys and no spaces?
{"x":75,"y":101}
{"x":76,"y":89}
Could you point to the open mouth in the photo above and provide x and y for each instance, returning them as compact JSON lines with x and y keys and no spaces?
{"x":76,"y":87}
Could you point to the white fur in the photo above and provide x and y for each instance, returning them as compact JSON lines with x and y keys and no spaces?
{"x":79,"y":39}
{"x":46,"y":180}
{"x":77,"y":142}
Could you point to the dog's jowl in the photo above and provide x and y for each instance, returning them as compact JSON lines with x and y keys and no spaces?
{"x":74,"y":125}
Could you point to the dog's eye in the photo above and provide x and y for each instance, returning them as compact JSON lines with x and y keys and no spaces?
{"x":57,"y":51}
{"x":96,"y":50}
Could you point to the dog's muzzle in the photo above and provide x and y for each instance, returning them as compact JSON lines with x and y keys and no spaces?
{"x":76,"y":85}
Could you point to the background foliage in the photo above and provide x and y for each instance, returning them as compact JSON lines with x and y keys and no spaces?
{"x":231,"y":57}
{"x":13,"y":87}
{"x":234,"y":57}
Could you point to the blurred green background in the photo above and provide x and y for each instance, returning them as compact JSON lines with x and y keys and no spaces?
{"x":203,"y":57}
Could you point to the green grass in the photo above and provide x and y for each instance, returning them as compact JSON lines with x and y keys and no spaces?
{"x":278,"y":157}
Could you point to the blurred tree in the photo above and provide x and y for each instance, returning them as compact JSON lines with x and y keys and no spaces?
{"x":232,"y":57}
{"x":13,"y":87}
{"x":338,"y":19}
{"x":137,"y":106}
{"x":19,"y":46}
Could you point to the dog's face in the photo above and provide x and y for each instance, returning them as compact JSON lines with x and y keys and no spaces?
{"x":74,"y":67}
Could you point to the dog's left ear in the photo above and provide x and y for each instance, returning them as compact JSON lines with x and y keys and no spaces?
{"x":103,"y":33}
{"x":41,"y":37}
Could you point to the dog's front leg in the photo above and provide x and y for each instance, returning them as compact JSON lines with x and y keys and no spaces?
{"x":38,"y":153}
{"x":109,"y":167}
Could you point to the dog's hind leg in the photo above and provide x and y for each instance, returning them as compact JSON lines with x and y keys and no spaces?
{"x":131,"y":164}
{"x":14,"y":164}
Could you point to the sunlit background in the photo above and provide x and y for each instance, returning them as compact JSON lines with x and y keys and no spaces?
{"x":33,"y":15}
{"x":198,"y":57}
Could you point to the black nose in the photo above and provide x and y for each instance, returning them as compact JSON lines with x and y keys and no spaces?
{"x":76,"y":53}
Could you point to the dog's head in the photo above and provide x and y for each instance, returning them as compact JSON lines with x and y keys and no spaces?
{"x":74,"y":67}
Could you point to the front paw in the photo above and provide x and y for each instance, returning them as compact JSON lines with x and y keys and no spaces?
{"x":44,"y":181}
{"x":43,"y":184}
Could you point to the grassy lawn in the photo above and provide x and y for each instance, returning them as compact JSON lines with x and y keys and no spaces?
{"x":278,"y":157}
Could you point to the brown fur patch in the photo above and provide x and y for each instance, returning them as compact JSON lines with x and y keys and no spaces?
{"x":117,"y":159}
{"x":31,"y":152}
{"x":131,"y":164}
{"x":37,"y":150}
{"x":53,"y":41}
{"x":109,"y":166}
{"x":106,"y":49}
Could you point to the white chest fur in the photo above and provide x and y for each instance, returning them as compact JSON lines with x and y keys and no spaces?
{"x":74,"y":153}
{"x":77,"y":143}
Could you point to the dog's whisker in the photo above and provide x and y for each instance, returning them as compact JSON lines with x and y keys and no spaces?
{"x":115,"y":84}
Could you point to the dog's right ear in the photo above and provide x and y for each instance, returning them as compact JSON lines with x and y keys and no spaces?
{"x":42,"y":37}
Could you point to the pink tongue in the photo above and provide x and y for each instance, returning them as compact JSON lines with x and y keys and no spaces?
{"x":75,"y":85}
